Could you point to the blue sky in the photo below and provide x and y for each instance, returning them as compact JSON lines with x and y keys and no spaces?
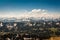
{"x":21,"y":5}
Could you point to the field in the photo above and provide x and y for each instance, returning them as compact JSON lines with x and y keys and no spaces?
{"x":55,"y":38}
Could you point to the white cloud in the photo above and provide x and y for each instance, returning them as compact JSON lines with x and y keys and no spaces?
{"x":26,"y":14}
{"x":34,"y":13}
{"x":38,"y":11}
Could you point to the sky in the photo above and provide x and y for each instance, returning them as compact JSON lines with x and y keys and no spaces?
{"x":11,"y":8}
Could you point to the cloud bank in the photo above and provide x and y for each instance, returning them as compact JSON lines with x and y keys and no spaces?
{"x":26,"y":14}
